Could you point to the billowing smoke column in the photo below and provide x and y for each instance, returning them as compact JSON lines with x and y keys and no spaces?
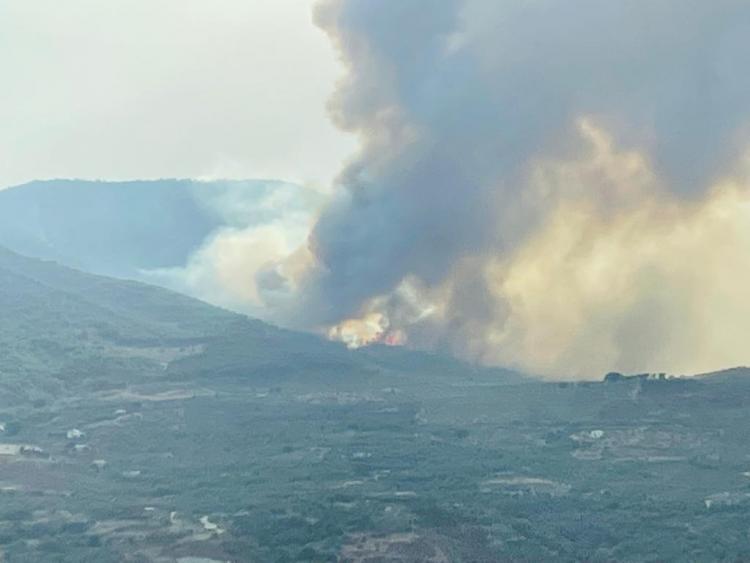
{"x":558,"y":186}
{"x":555,"y":185}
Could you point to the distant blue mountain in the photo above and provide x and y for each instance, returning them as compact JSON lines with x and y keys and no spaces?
{"x":122,"y":228}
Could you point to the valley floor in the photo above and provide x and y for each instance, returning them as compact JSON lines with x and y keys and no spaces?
{"x":385,"y":468}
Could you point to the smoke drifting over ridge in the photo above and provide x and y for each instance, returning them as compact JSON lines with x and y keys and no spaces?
{"x":561,"y":187}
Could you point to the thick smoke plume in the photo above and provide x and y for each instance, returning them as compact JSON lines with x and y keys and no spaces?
{"x":559,"y":186}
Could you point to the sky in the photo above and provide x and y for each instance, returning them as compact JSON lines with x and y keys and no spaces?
{"x":128,"y":89}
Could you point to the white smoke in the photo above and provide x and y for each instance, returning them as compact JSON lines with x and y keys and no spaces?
{"x":249,"y":264}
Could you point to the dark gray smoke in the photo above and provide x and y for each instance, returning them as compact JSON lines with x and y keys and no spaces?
{"x":452,"y":100}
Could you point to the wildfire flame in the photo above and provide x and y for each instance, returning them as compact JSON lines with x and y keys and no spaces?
{"x":372,"y":328}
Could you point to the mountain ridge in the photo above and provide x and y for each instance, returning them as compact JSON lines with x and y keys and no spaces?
{"x":123,"y":228}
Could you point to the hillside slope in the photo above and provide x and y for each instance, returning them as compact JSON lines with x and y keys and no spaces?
{"x":58,"y":322}
{"x":65,"y":330}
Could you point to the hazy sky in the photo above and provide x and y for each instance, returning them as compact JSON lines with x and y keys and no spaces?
{"x":166,"y":88}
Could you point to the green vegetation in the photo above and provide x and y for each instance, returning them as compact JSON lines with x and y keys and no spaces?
{"x":139,"y":425}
